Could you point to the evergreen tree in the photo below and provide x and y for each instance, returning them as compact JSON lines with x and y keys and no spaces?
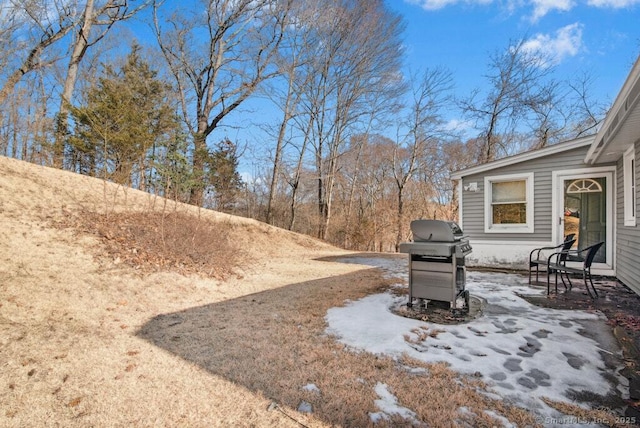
{"x":173,"y":175}
{"x":223,"y":177}
{"x":126,"y":118}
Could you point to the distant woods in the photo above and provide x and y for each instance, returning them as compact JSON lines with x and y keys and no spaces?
{"x":335,"y":138}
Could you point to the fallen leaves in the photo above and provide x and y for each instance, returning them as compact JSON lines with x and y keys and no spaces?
{"x":75,"y":402}
{"x":154,"y":241}
{"x":630,"y":322}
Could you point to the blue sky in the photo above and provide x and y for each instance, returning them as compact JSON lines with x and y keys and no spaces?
{"x":598,"y":36}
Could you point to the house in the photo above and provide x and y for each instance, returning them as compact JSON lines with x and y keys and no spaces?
{"x":586,"y":186}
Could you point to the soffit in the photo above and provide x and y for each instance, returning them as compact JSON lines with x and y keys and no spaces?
{"x":621,"y":127}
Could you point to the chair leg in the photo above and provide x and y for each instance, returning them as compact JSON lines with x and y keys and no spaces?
{"x":531,"y":272}
{"x":562,"y":279}
{"x":586,"y":285}
{"x":592,"y":286}
{"x":548,"y":284}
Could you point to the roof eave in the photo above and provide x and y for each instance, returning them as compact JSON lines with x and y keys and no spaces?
{"x":612,"y":122}
{"x":523,"y":157}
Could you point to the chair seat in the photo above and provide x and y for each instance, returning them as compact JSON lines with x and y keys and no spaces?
{"x":564,"y":268}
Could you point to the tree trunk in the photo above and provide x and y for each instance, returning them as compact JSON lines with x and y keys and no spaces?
{"x":79,"y":49}
{"x":273,"y":188}
{"x":296,"y":180}
{"x":200,"y":154}
{"x":400,"y":218}
{"x":347,"y":236}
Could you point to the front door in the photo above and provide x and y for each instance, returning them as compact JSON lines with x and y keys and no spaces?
{"x":586,"y":210}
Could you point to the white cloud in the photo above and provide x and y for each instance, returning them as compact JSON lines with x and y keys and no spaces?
{"x":542,"y":7}
{"x":566,"y":42}
{"x":432,"y":4}
{"x":463,"y":127}
{"x":441,"y":4}
{"x":616,"y":4}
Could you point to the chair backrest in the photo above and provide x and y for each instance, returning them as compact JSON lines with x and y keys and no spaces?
{"x":591,"y":253}
{"x":566,"y":246}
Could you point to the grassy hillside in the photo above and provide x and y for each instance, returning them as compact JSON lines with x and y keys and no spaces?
{"x":79,"y":276}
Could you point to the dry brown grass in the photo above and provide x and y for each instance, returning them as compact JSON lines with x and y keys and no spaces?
{"x":576,"y":414}
{"x":153,"y":241}
{"x":274,"y":343}
{"x":421,"y":334}
{"x":69,"y":355}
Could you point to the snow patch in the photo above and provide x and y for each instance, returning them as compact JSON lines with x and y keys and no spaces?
{"x":311,"y":387}
{"x":305,"y":407}
{"x":388,"y":405}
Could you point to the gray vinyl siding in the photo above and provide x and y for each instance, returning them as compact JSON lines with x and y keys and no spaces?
{"x":627,"y":237}
{"x":473,"y":202}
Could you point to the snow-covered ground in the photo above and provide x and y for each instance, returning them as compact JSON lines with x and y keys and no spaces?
{"x":523,"y":351}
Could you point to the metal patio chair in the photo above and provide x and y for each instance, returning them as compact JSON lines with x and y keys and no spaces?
{"x":557,"y":263}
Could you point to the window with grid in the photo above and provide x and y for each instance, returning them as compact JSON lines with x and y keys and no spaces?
{"x":509,"y":204}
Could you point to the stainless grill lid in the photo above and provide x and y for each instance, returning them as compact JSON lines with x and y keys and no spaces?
{"x":435,"y":231}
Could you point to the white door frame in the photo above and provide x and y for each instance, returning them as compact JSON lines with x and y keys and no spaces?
{"x":557,"y":206}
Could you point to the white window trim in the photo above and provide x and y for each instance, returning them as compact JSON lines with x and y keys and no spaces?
{"x":489,"y":227}
{"x":630,"y":186}
{"x":557,"y":206}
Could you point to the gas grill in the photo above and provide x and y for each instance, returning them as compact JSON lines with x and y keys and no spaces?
{"x":437,"y":262}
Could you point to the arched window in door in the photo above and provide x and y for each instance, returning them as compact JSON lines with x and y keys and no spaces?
{"x":584,"y":185}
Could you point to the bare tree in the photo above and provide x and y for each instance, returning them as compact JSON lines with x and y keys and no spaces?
{"x":295,"y":51}
{"x":357,"y":53}
{"x":383,"y":107}
{"x":518,"y":83}
{"x":101,"y":14}
{"x":25,"y":128}
{"x":32,"y":27}
{"x":13,"y":19}
{"x":362,"y":176}
{"x":568,"y":112}
{"x":218,"y":57}
{"x":295,"y":179}
{"x":587,"y":114}
{"x":548,"y":121}
{"x":419,"y":135}
{"x":367,"y":220}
